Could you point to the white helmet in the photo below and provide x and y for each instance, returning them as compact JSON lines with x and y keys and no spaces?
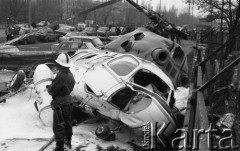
{"x":64,"y":60}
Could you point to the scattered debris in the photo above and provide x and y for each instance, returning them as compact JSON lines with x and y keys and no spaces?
{"x":181,"y":96}
{"x":226,"y":120}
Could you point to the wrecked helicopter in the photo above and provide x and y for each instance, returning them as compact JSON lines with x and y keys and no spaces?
{"x":120,"y":87}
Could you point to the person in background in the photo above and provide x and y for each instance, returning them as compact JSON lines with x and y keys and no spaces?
{"x":118,"y":30}
{"x":62,"y":103}
{"x":9,"y":32}
{"x":34,"y":25}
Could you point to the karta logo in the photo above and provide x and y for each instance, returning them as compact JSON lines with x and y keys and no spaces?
{"x":154,"y":135}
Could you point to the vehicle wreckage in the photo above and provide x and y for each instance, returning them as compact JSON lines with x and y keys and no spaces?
{"x":168,"y":55}
{"x":121,"y":87}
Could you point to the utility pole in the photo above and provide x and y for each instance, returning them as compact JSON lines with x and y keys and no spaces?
{"x":160,"y":7}
{"x":136,"y":22}
{"x":29,"y":12}
{"x":221,"y":25}
{"x":192,"y":12}
{"x":177,"y":17}
{"x":189,"y":8}
{"x":192,"y":7}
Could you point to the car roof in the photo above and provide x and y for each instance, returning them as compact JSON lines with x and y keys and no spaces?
{"x":5,"y":48}
{"x":104,"y":27}
{"x":71,"y":42}
{"x":84,"y":37}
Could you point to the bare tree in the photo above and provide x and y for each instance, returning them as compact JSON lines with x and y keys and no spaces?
{"x":227,"y":10}
{"x":12,"y":7}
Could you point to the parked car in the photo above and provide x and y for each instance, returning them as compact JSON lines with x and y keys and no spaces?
{"x":8,"y":48}
{"x":71,"y":47}
{"x":63,"y":30}
{"x":14,"y":59}
{"x":24,"y":28}
{"x":90,"y":31}
{"x":32,"y":38}
{"x":70,"y":34}
{"x":42,"y":24}
{"x":113,"y":31}
{"x":103,"y":31}
{"x":47,"y":34}
{"x":94,"y":40}
{"x":81,"y":26}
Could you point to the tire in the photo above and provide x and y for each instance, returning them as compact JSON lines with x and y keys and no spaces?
{"x":111,"y":137}
{"x":17,"y":81}
{"x":102,"y":132}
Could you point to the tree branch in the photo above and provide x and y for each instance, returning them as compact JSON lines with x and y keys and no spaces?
{"x":237,"y":16}
{"x":216,"y":6}
{"x":230,"y":11}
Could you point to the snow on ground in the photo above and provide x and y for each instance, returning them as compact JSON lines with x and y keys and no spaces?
{"x":181,"y":95}
{"x":21,"y":128}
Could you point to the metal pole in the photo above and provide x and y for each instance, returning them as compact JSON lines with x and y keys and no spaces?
{"x":189,"y":11}
{"x":160,"y":7}
{"x":232,"y":64}
{"x":221,"y":30}
{"x":136,"y":22}
{"x":29,"y":12}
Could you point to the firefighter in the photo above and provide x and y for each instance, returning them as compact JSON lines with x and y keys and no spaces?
{"x":62,"y":103}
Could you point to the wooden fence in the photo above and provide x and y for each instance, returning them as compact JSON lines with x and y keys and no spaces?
{"x":203,"y":83}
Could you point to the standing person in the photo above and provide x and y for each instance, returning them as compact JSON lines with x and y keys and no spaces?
{"x":34,"y":25}
{"x":9,"y":30}
{"x":8,"y":33}
{"x":62,"y":103}
{"x":118,"y":30}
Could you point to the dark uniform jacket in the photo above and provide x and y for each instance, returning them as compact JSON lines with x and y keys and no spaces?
{"x":61,"y":88}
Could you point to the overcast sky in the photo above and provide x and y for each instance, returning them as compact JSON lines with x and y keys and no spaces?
{"x":169,"y":3}
{"x":179,"y":4}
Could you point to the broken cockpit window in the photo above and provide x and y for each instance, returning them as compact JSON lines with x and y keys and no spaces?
{"x":130,"y":101}
{"x":152,"y":82}
{"x":122,"y":98}
{"x":122,"y":66}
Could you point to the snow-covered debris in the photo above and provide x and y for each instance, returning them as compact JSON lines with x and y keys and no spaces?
{"x":21,"y":128}
{"x":181,"y":95}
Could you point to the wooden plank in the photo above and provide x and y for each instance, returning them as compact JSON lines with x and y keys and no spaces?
{"x":199,"y":77}
{"x":203,"y":121}
{"x":187,"y":124}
